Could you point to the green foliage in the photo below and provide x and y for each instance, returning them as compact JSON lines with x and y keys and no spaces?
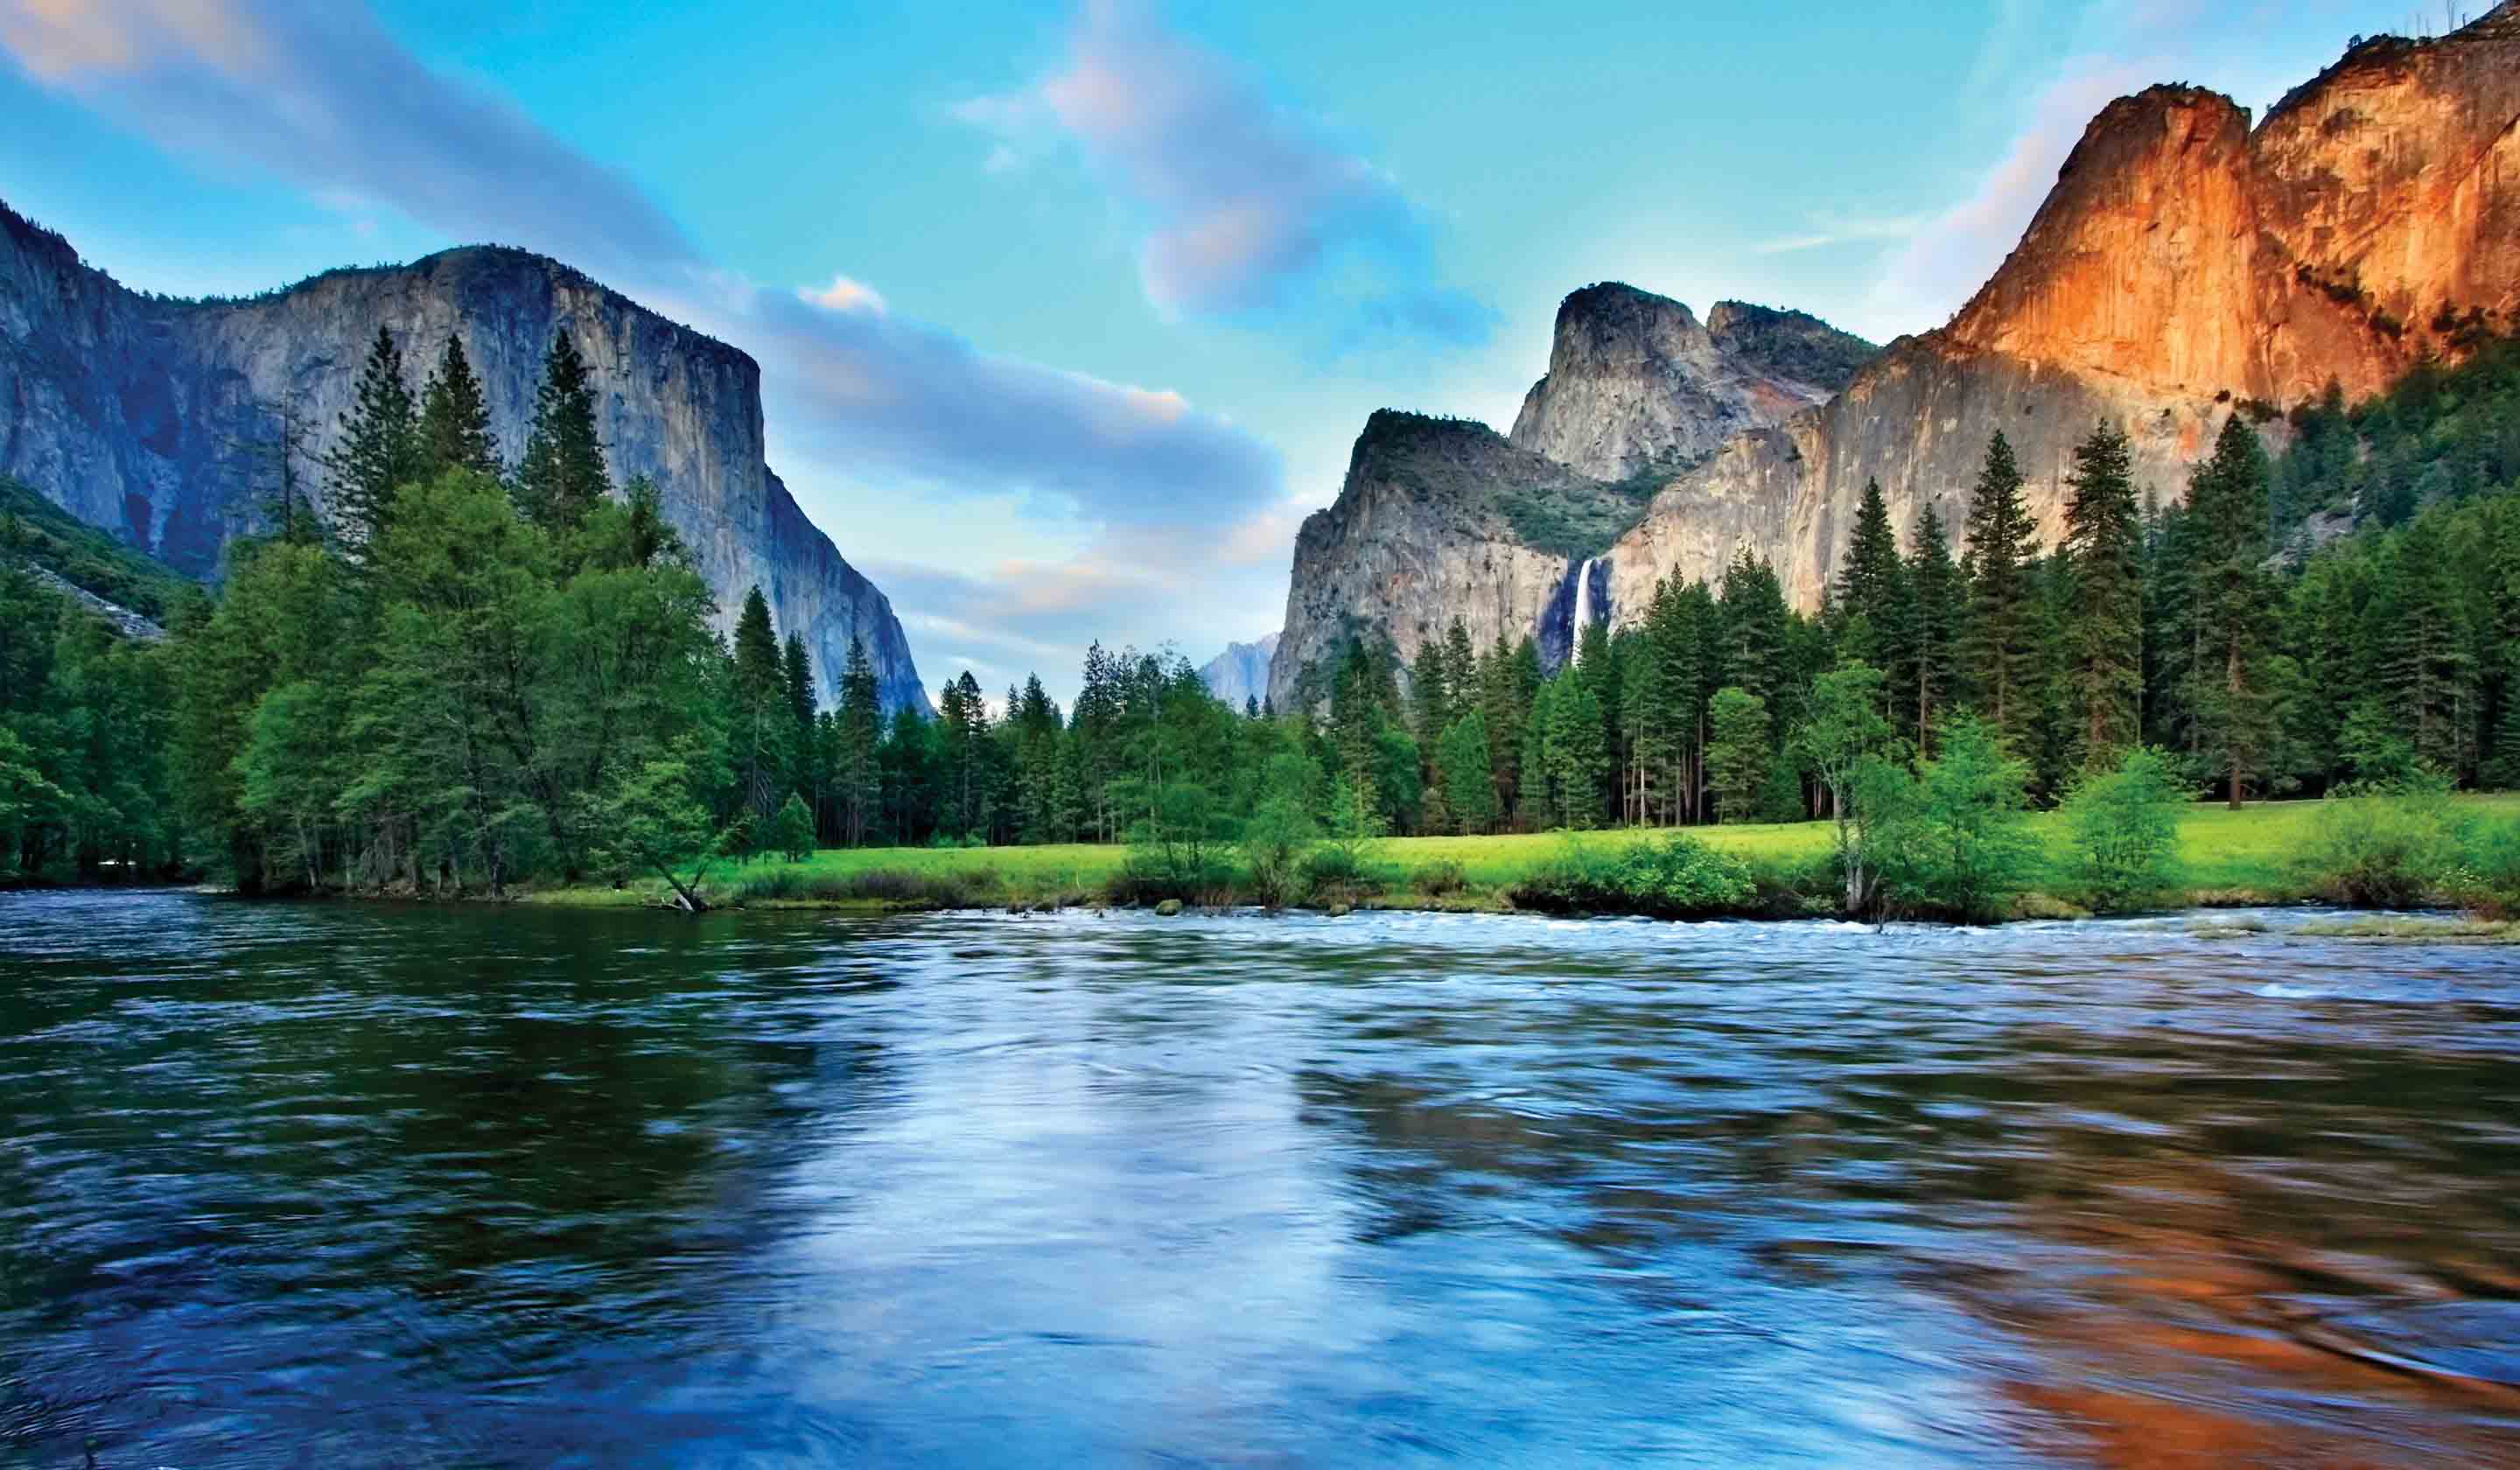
{"x":1998,"y":646}
{"x":2388,"y":846}
{"x":2104,"y":551}
{"x":1950,"y":841}
{"x":1279,"y":836}
{"x":377,"y":450}
{"x":36,"y":532}
{"x":2125,"y":829}
{"x":1737,"y":752}
{"x":791,"y":830}
{"x":454,"y":427}
{"x":1675,"y":876}
{"x":562,"y":476}
{"x":1468,"y":774}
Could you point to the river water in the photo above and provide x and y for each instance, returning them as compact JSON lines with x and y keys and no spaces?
{"x":435,"y":1186}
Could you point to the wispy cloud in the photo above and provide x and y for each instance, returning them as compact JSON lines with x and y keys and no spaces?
{"x":316,"y":93}
{"x":1828,"y":231}
{"x":1945,"y":257}
{"x":1254,"y":207}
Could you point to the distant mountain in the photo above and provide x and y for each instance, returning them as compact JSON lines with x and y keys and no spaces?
{"x":1241,"y":672}
{"x":151,"y":418}
{"x":2186,"y":266}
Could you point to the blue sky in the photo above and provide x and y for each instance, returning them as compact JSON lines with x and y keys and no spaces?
{"x":1068,"y":313}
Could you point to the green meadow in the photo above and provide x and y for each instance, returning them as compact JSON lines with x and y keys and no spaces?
{"x":2227,"y":858}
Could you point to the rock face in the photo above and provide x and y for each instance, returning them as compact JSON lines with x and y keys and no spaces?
{"x":1442,"y":517}
{"x":2184,"y":268}
{"x":1240,"y":673}
{"x":156,"y":419}
{"x":1635,"y":383}
{"x":1424,"y":530}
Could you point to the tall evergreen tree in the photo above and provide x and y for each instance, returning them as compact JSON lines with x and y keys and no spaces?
{"x":1939,"y":594}
{"x":764,"y":730}
{"x":377,"y":450}
{"x":2104,"y":545}
{"x":861,"y":730}
{"x":2001,"y":543}
{"x":2234,"y":598}
{"x":455,"y":419}
{"x":562,"y":473}
{"x":1871,"y":582}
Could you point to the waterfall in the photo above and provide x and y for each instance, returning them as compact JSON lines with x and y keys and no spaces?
{"x":1583,"y":611}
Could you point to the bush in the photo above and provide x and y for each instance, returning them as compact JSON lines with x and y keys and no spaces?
{"x":1337,"y":872}
{"x":2393,"y":845}
{"x":1276,"y":841}
{"x":1950,"y":841}
{"x":1440,"y":877}
{"x":2124,"y":830}
{"x":1675,"y":876}
{"x":2490,"y":880}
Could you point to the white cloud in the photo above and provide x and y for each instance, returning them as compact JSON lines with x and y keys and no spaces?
{"x":845,"y":294}
{"x":1256,"y":207}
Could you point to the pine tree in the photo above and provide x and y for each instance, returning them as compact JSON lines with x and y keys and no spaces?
{"x":1871,"y":582}
{"x":764,"y":729}
{"x":1940,"y":599}
{"x":563,"y":475}
{"x":2235,"y":597}
{"x":454,"y":418}
{"x":1573,"y":752}
{"x":2429,"y":668}
{"x":1738,"y":750}
{"x":861,"y":730}
{"x":377,"y":450}
{"x":2104,"y":546}
{"x":2002,"y":541}
{"x":1463,"y":755}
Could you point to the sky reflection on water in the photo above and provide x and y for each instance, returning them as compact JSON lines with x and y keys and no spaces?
{"x":332,"y":1184}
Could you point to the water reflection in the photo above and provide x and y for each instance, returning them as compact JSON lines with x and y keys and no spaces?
{"x":293,"y":1186}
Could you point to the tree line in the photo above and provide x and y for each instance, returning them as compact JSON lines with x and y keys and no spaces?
{"x":469,"y":671}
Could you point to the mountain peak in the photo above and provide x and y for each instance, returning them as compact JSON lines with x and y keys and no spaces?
{"x":1636,"y":385}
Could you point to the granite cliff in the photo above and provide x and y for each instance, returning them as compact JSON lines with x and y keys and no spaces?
{"x":2184,"y":267}
{"x":1636,"y":383}
{"x":1445,"y":517}
{"x":155,"y":417}
{"x":1241,"y":672}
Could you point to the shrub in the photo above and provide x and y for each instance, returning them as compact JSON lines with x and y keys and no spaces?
{"x":1442,"y":877}
{"x":1279,"y":836}
{"x":1675,"y":876}
{"x":2124,"y":830}
{"x":2392,"y":845}
{"x":2490,"y":879}
{"x":1337,"y":872}
{"x":1951,"y":839}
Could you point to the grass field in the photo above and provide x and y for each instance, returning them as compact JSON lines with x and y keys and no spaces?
{"x":2245,"y":857}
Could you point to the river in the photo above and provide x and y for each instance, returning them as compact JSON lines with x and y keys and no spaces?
{"x":333,"y":1184}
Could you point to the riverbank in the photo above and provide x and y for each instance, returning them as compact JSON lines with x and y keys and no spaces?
{"x":2226,"y":859}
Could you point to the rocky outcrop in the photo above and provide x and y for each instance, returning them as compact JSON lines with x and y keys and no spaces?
{"x":1442,"y":517}
{"x":159,"y":419}
{"x":1241,"y":674}
{"x":2184,"y":267}
{"x":1636,"y":383}
{"x":120,"y":620}
{"x":1435,"y":519}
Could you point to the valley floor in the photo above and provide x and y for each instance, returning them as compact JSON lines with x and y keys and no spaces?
{"x":2226,"y":859}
